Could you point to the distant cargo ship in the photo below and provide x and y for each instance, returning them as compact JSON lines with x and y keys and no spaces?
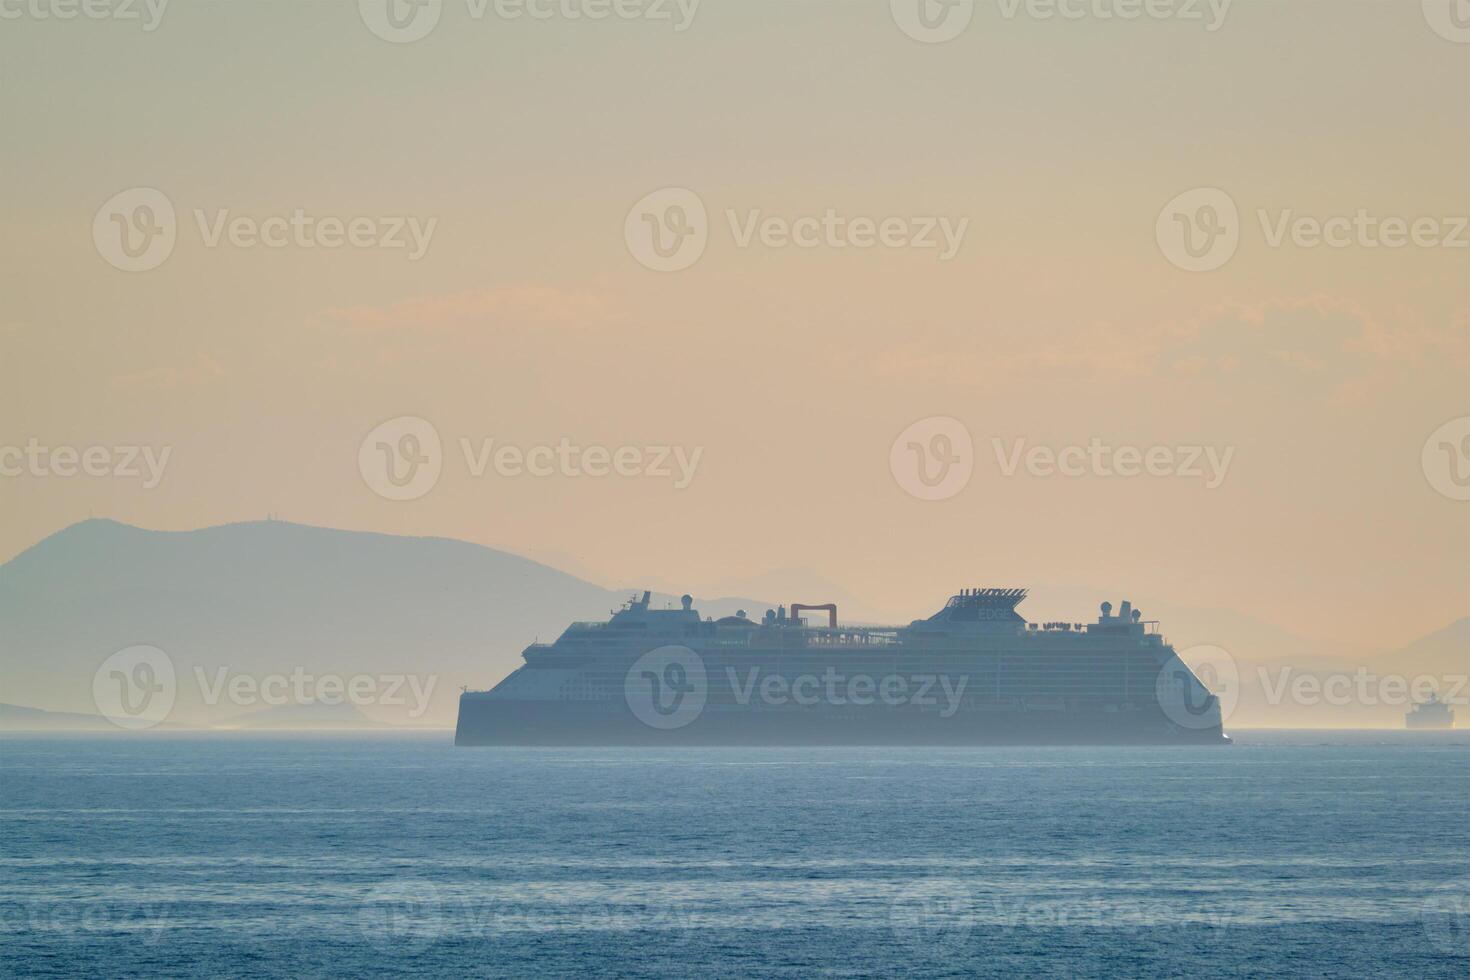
{"x":1433,"y":713}
{"x":974,"y":673}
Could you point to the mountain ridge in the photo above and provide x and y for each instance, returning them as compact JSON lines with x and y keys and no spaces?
{"x":264,"y":598}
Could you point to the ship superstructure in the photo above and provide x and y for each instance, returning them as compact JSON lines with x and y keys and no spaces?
{"x":1432,"y":713}
{"x":975,"y":672}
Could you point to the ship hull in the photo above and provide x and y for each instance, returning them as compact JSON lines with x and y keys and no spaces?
{"x":487,"y":720}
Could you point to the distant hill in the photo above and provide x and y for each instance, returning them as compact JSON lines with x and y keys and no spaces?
{"x":290,"y":717}
{"x":1445,"y":651}
{"x":1379,"y":689}
{"x":302,"y":717}
{"x":14,"y":718}
{"x":266,"y":599}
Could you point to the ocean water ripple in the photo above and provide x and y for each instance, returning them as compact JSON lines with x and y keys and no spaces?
{"x":1284,"y":855}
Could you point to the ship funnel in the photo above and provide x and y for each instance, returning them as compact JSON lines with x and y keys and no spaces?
{"x":1125,"y":612}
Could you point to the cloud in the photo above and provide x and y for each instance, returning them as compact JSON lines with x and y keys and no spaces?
{"x":1302,"y":343}
{"x":1317,"y":345}
{"x":203,"y":371}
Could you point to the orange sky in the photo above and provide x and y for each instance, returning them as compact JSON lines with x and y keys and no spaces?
{"x":517,"y":149}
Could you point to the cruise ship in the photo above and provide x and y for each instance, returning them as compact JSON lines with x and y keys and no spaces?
{"x":974,"y":673}
{"x":1433,"y":713}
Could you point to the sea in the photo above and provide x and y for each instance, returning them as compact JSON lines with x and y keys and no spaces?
{"x":1287,"y":854}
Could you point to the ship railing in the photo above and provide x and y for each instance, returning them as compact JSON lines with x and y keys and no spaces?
{"x":851,"y":637}
{"x":1150,"y":627}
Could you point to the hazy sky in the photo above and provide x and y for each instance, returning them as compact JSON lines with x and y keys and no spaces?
{"x":517,"y":147}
